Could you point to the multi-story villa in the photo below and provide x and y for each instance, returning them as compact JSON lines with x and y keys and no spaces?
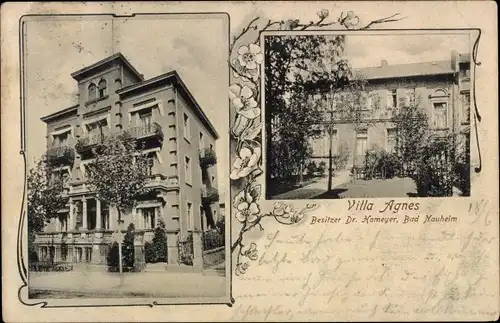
{"x":441,"y":89}
{"x":178,"y":138}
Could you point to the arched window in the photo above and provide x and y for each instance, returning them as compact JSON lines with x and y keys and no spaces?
{"x":439,"y":92}
{"x":118,"y":83}
{"x":92,"y":91}
{"x":102,"y":88}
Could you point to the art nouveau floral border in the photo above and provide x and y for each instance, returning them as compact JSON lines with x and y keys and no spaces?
{"x":245,"y":62}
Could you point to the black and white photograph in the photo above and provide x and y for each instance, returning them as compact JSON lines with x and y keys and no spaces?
{"x":363,"y":115}
{"x":125,"y":151}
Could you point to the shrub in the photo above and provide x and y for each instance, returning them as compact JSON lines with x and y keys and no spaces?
{"x":128,"y":252}
{"x":160,"y":242}
{"x":435,"y":174}
{"x":340,"y":159}
{"x":311,"y":168}
{"x":321,"y":168}
{"x":149,"y":253}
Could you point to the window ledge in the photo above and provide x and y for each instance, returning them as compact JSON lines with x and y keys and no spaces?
{"x":96,"y":100}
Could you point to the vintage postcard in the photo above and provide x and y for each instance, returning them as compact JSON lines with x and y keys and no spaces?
{"x":250,"y":161}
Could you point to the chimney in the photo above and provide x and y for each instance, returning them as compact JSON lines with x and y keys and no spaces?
{"x":454,"y":60}
{"x":383,"y":63}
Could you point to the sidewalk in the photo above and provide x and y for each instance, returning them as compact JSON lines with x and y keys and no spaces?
{"x":106,"y":285}
{"x":315,"y":189}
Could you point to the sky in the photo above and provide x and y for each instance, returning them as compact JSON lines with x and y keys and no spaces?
{"x":195,"y":46}
{"x":369,"y":50}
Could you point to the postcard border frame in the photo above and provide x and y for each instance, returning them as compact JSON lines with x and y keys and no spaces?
{"x":21,"y":266}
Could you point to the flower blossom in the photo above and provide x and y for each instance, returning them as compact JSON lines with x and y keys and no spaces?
{"x":246,"y":206}
{"x":241,"y":268}
{"x":282,"y":210}
{"x":243,"y":71}
{"x":350,"y":20}
{"x":243,"y":101}
{"x":250,"y":56}
{"x":246,"y":162}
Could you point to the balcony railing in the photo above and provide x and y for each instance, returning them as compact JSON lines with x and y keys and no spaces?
{"x":145,"y":131}
{"x":209,"y":195}
{"x":89,"y":141}
{"x":61,"y":155}
{"x":207,"y":157}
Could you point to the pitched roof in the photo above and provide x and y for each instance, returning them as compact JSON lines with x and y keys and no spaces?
{"x":116,"y":57}
{"x":405,"y":70}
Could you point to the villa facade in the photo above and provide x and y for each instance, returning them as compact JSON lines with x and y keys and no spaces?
{"x":441,"y":89}
{"x":179,"y":140}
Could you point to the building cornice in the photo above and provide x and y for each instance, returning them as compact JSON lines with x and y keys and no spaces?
{"x":60,"y":113}
{"x":79,"y":75}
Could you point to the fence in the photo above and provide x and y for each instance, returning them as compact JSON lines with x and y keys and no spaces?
{"x":50,"y":266}
{"x":212,"y":239}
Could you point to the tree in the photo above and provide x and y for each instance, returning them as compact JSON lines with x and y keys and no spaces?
{"x":426,"y":156}
{"x":412,"y":132}
{"x":160,"y":242}
{"x":119,"y":174}
{"x":45,"y":198}
{"x":292,"y":65}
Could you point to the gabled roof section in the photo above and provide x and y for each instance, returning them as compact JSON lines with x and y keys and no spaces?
{"x":406,"y":70}
{"x":61,"y":113}
{"x":171,"y":77}
{"x":118,"y":58}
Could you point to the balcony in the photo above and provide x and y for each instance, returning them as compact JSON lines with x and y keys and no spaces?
{"x":464,"y":84}
{"x":207,"y":157}
{"x":150,"y":131}
{"x":85,"y":145}
{"x":209,"y":195}
{"x":62,"y":155}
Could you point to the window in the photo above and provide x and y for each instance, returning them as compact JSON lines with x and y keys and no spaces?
{"x":92,"y":92}
{"x":189,"y":213}
{"x":187,"y":130}
{"x":149,"y":216}
{"x":146,"y":119}
{"x":63,"y":222}
{"x":104,"y":216}
{"x":97,"y":130}
{"x":150,"y":162}
{"x":361,"y":142}
{"x":203,"y":218}
{"x":465,"y":101}
{"x":391,"y":139}
{"x":409,"y":96}
{"x":440,"y":115}
{"x":392,"y":99}
{"x":202,"y":145}
{"x":187,"y":170}
{"x":60,"y":140}
{"x":102,"y":88}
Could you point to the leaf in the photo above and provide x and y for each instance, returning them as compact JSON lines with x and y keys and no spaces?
{"x":252,"y":131}
{"x":255,"y":192}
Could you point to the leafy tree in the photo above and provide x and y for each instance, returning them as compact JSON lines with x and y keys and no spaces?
{"x":45,"y":198}
{"x":160,"y":242}
{"x":119,"y":173}
{"x":412,"y":132}
{"x":291,"y":65}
